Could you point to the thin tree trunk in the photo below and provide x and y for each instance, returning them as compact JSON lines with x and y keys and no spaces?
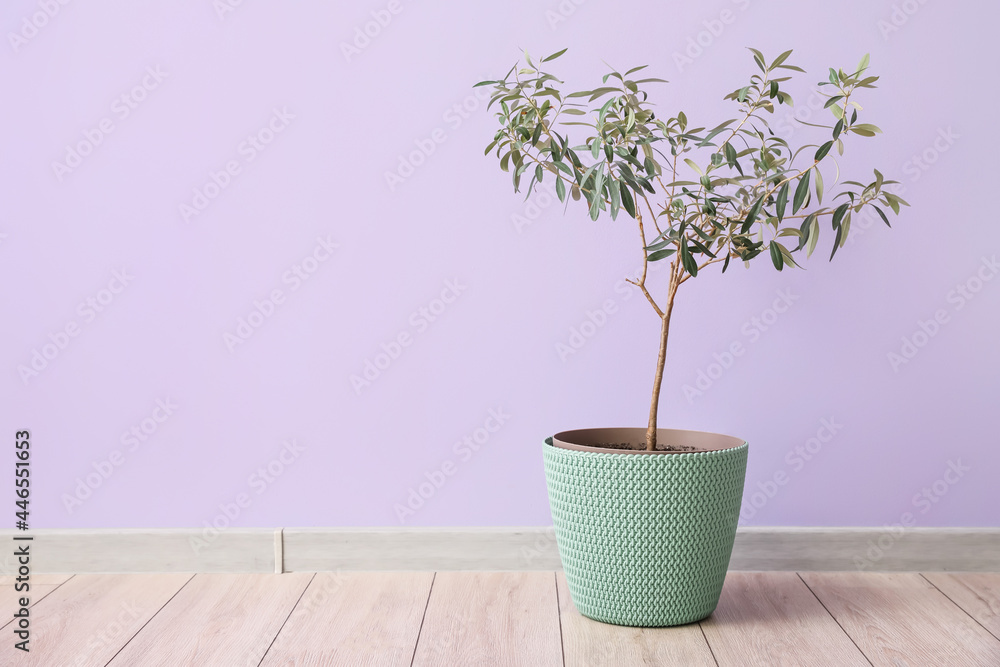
{"x":660,"y":362}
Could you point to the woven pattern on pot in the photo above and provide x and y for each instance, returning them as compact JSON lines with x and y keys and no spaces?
{"x":645,"y":540}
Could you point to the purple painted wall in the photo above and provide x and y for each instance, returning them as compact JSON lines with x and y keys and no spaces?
{"x":231,"y":159}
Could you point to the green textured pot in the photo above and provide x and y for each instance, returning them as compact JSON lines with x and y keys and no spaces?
{"x":645,"y":537}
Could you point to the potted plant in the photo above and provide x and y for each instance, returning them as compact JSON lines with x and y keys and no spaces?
{"x":645,"y":519}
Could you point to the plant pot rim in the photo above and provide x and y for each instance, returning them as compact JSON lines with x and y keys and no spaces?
{"x":587,"y":439}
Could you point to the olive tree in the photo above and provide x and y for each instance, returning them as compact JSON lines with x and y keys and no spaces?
{"x":699,"y":196}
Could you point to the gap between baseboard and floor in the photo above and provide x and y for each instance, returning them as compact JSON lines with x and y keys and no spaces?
{"x":499,"y":549}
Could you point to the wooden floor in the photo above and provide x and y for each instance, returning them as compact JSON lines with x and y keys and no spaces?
{"x":496,"y":618}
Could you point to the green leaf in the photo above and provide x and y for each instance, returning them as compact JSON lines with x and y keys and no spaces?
{"x":813,"y":235}
{"x":833,"y":100}
{"x":838,"y":128}
{"x":776,"y":257}
{"x":838,"y":215}
{"x":782,"y":201}
{"x":822,"y":151}
{"x":891,"y":201}
{"x":536,"y":134}
{"x":836,"y":242}
{"x":565,"y":168}
{"x":688,"y":261}
{"x":833,"y":77}
{"x":882,"y":215}
{"x":554,"y":55}
{"x":560,"y":189}
{"x":691,"y":163}
{"x":800,"y":192}
{"x":780,"y":59}
{"x":863,"y":65}
{"x":728,"y":150}
{"x":660,"y":254}
{"x":598,"y":92}
{"x":627,"y":201}
{"x":819,"y":186}
{"x":867,"y":127}
{"x":752,"y":215}
{"x":616,"y":198}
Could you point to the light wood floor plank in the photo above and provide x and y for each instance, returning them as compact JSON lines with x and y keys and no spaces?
{"x":589,"y":643}
{"x":977,"y":593}
{"x":901,"y":619}
{"x":491,"y":618}
{"x":354,"y":618}
{"x":224,"y":620}
{"x":771,"y":618}
{"x":10,"y":598}
{"x":89,"y":618}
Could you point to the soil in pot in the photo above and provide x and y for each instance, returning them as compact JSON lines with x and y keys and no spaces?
{"x":633,"y":441}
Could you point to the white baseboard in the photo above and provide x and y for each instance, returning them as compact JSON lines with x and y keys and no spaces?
{"x":530,"y":548}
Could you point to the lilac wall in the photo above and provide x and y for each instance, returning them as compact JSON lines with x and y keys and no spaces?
{"x":306,"y":226}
